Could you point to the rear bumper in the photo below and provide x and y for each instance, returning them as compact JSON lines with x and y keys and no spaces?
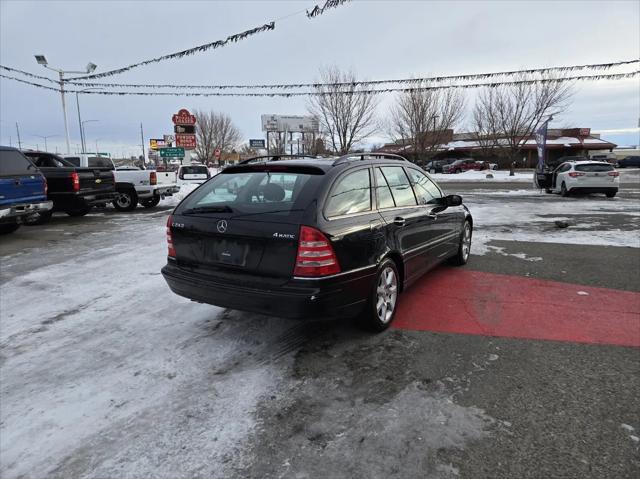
{"x":24,"y":209}
{"x":99,"y":198}
{"x":336,"y":297}
{"x":160,"y":190}
{"x":593,"y":189}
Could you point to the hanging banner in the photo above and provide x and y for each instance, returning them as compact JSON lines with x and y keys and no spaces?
{"x":541,"y":142}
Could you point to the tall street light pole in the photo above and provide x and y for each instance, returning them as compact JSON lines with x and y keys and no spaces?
{"x":84,"y":135}
{"x":80,"y":122}
{"x":44,"y":137}
{"x":90,"y":68}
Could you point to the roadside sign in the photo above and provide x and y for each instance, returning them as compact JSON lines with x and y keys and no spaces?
{"x":217,"y":153}
{"x":171,"y":152}
{"x":169,"y":139}
{"x":188,"y":129}
{"x":157,"y":143}
{"x":183,"y":117}
{"x":257,"y":144}
{"x":188,"y":142}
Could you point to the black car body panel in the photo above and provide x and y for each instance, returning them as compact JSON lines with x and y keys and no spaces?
{"x":233,"y":258}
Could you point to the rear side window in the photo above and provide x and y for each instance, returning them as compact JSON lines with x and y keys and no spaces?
{"x":594,"y":167}
{"x":426,"y":191}
{"x":99,"y":162}
{"x":399,"y":184}
{"x":351,"y":194}
{"x":254,"y":192}
{"x":74,"y":160}
{"x":385,"y":199}
{"x":14,"y":163}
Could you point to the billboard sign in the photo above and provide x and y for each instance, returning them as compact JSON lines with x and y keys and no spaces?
{"x":292,"y":123}
{"x":187,"y":141}
{"x":259,"y":144}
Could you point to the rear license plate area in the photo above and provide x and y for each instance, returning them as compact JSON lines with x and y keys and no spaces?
{"x":227,"y":252}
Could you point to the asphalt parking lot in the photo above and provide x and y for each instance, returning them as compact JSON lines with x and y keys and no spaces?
{"x":525,"y":363}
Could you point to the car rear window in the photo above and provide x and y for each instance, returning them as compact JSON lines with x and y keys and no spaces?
{"x":98,"y":162}
{"x":74,"y":160}
{"x":245,"y":191}
{"x":193,"y":170}
{"x":14,"y":163}
{"x":594,"y":167}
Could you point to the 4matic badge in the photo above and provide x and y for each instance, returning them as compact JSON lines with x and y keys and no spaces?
{"x":284,"y":235}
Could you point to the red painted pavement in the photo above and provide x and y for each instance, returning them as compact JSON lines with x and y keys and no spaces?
{"x":463,"y":301}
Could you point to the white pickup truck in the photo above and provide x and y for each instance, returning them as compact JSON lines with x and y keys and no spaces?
{"x":133,"y":185}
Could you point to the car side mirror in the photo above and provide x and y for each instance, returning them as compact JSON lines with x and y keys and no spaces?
{"x":453,"y":200}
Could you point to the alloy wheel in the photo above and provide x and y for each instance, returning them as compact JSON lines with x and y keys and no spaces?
{"x":386,"y":294}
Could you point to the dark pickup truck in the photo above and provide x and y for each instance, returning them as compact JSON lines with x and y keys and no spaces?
{"x":23,"y":190}
{"x":73,"y":190}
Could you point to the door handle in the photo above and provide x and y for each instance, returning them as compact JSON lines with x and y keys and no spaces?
{"x":399,"y":221}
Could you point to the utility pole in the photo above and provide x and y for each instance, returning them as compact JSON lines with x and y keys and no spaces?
{"x":144,"y":161}
{"x":18,"y":131}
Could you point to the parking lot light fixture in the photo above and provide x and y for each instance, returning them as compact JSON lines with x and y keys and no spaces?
{"x":41,"y":60}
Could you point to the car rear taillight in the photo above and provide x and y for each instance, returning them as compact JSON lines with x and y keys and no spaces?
{"x":46,"y":187}
{"x":614,"y":173}
{"x":171,"y":251}
{"x":153,"y":178}
{"x":75,"y":180}
{"x":573,"y":174}
{"x":315,"y":254}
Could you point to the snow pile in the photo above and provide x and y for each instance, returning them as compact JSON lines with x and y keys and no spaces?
{"x":106,"y":373}
{"x":477,"y":176}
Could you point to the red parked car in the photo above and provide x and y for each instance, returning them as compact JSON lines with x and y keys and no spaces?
{"x":465,"y":164}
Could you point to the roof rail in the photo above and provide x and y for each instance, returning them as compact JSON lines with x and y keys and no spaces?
{"x":266,"y":158}
{"x":363,"y":156}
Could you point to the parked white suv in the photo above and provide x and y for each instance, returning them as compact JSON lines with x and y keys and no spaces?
{"x":585,"y":177}
{"x":193,"y":174}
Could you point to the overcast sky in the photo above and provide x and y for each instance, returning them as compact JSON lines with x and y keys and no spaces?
{"x":377,"y":39}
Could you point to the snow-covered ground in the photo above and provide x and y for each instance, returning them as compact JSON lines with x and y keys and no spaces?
{"x":106,"y":373}
{"x":481,"y":176}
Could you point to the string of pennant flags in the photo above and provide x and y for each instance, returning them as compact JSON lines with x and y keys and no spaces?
{"x":315,"y":12}
{"x":350,"y":91}
{"x":423,"y":81}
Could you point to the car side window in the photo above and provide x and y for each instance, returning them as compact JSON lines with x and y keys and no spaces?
{"x":426,"y":191}
{"x":74,"y":160}
{"x":350,"y":194}
{"x":385,"y":199}
{"x":399,"y":184}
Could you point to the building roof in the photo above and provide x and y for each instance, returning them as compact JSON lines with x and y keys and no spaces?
{"x":576,"y":138}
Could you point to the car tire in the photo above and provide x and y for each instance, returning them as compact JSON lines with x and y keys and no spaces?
{"x":38,"y":218}
{"x":384,"y":294}
{"x":611,"y":194}
{"x":464,"y":248}
{"x":7,"y":228}
{"x":563,"y":190}
{"x":150,"y":202}
{"x":78,"y":211}
{"x":127,"y":200}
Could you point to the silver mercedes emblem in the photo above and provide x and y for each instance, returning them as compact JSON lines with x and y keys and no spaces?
{"x":221,"y":226}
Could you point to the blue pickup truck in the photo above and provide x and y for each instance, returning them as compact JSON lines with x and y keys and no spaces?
{"x":23,"y":189}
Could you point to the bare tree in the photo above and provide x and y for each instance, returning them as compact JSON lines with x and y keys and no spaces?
{"x":345,"y":112}
{"x":506,"y":116}
{"x":215,"y":131}
{"x":421,"y":117}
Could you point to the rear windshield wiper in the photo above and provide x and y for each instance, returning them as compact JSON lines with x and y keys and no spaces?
{"x":207,"y":209}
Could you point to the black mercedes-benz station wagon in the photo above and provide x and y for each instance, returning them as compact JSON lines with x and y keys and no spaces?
{"x":303,"y":237}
